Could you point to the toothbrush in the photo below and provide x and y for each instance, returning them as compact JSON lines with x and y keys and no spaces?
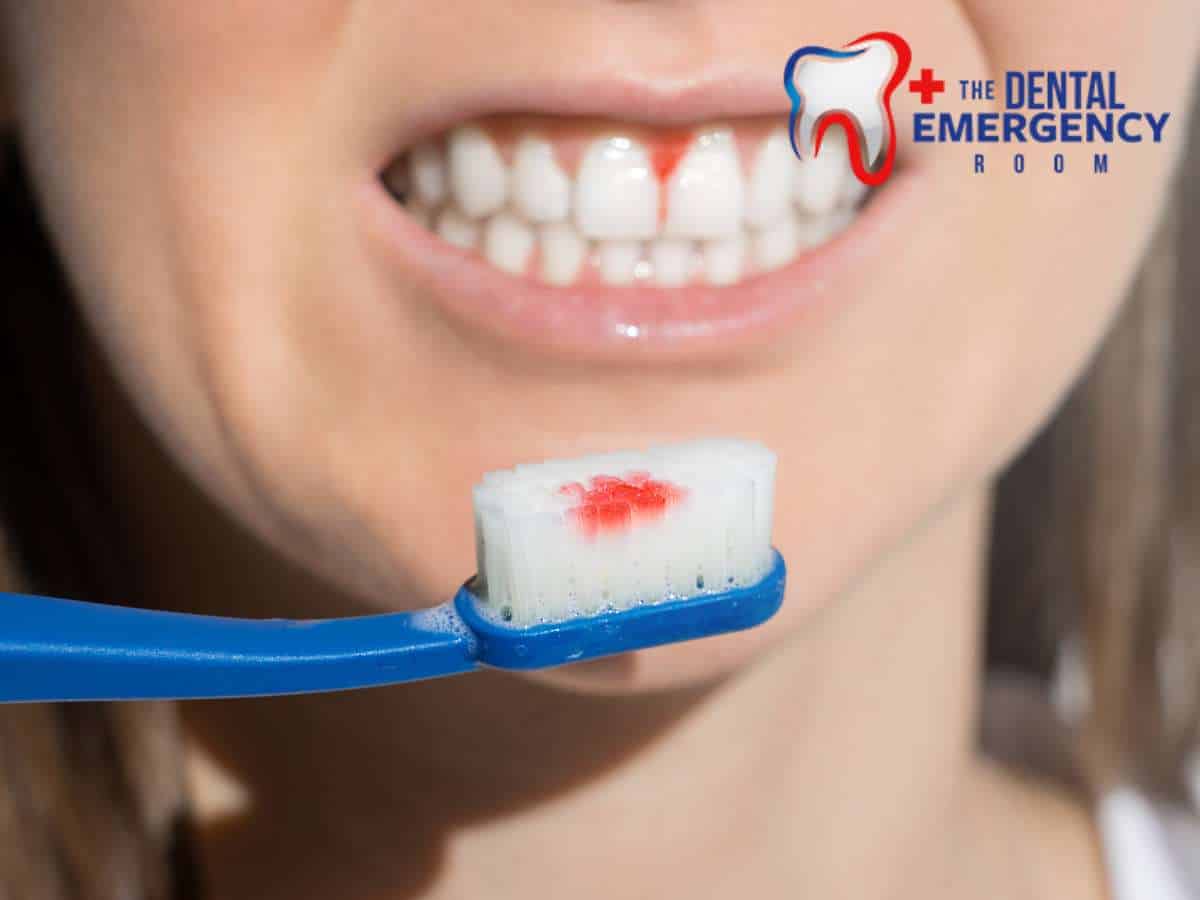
{"x":576,"y":559}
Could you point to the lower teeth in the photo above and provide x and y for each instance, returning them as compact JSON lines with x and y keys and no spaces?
{"x":558,"y":254}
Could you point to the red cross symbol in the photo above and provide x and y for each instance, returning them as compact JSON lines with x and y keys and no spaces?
{"x":926,"y":86}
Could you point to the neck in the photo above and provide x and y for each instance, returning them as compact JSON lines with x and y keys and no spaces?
{"x":840,"y":765}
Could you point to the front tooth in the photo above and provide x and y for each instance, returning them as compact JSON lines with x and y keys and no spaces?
{"x":427,"y":172}
{"x":507,"y":243}
{"x":818,"y":181}
{"x":616,"y":193}
{"x":705,"y":194}
{"x":777,"y":245}
{"x":478,"y":176}
{"x":457,"y":229}
{"x":618,"y":260}
{"x":563,"y":252}
{"x":671,"y":259}
{"x":724,"y":259}
{"x":769,"y":193}
{"x":541,"y":189}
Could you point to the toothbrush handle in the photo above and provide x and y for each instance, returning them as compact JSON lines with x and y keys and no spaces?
{"x":66,"y":650}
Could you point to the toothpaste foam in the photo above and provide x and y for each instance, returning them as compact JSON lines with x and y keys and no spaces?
{"x":443,"y":619}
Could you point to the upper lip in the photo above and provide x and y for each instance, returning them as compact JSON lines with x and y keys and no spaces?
{"x":708,"y":95}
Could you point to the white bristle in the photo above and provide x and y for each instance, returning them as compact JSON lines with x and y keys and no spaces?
{"x":541,"y":559}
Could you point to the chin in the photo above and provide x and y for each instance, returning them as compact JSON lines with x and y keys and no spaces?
{"x":687,"y":666}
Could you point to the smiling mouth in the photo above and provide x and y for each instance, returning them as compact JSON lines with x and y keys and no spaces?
{"x":573,"y":202}
{"x":630,"y":221}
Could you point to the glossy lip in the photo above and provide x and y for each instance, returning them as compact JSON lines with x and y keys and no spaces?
{"x":644,"y":323}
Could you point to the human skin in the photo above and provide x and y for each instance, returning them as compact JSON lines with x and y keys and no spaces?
{"x":208,"y":175}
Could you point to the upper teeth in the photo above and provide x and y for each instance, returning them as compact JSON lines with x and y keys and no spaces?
{"x":716,"y":218}
{"x":428,"y":174}
{"x":541,"y":189}
{"x":478,"y":175}
{"x":768,"y":194}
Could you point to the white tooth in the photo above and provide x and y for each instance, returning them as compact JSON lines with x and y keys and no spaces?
{"x":854,"y":84}
{"x":478,"y":176}
{"x":541,"y":189}
{"x":427,"y":171}
{"x":705,"y":194}
{"x":672,"y":259}
{"x":777,"y":245}
{"x":507,"y":242}
{"x":457,"y":229}
{"x":616,"y":192}
{"x":769,"y":193}
{"x":818,"y":181}
{"x":563,"y":252}
{"x":618,"y":260}
{"x":724,"y":258}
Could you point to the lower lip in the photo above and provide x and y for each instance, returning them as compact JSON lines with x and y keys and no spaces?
{"x":599,"y":322}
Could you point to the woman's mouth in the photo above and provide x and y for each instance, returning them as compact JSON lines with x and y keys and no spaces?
{"x":593,"y":235}
{"x":570,"y":203}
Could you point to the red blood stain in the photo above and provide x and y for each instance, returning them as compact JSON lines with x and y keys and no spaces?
{"x":610,"y":504}
{"x":665,"y":155}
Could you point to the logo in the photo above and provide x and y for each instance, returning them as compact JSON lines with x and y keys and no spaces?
{"x":852,"y":88}
{"x":1040,"y":106}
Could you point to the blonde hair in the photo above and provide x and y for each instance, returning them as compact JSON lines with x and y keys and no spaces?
{"x":1096,"y":533}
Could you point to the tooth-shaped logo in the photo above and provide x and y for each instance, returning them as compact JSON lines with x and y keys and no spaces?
{"x":852,"y":88}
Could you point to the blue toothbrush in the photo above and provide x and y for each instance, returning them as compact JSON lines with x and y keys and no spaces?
{"x":67,"y":650}
{"x":570,"y":568}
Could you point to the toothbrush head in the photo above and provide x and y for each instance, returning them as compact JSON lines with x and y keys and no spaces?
{"x":577,"y":559}
{"x":609,"y":553}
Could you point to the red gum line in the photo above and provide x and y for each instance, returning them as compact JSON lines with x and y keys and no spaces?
{"x":665,"y":153}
